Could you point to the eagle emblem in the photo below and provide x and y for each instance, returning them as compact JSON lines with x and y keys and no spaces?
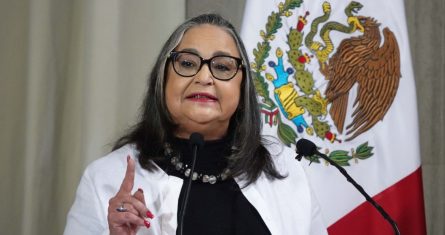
{"x":376,"y":69}
{"x":364,"y":60}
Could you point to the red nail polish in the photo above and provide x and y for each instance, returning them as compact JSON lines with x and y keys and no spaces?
{"x":140,"y":190}
{"x":147,"y":224}
{"x":150,"y":215}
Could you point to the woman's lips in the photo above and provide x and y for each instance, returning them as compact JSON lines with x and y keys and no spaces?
{"x":202,"y":97}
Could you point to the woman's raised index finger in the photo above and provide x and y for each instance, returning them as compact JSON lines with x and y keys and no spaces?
{"x":128,"y":182}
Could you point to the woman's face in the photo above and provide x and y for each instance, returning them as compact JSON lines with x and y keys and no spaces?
{"x":201,"y":103}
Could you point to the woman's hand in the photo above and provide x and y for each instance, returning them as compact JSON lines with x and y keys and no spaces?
{"x":126,"y":212}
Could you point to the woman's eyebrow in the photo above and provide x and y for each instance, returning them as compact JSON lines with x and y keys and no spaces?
{"x":216,"y":53}
{"x":193,"y":50}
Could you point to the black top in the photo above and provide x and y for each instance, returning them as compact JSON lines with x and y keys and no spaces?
{"x":218,"y":208}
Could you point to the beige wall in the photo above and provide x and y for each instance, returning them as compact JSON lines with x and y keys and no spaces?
{"x":72,"y":75}
{"x":426,"y":28}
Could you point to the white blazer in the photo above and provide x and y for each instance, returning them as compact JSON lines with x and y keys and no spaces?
{"x":287,"y":206}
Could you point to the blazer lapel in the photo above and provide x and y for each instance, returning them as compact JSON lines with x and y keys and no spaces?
{"x":260,"y":203}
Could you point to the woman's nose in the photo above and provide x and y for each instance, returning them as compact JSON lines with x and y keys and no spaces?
{"x":204,"y":76}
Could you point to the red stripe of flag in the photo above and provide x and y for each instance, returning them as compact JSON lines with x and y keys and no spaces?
{"x":404,"y":203}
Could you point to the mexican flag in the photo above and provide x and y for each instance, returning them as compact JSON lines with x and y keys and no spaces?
{"x":339,"y":74}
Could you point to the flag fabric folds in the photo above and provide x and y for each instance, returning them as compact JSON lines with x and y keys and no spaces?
{"x":339,"y":74}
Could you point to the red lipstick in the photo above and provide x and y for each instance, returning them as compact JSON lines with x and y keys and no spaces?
{"x":202,"y":97}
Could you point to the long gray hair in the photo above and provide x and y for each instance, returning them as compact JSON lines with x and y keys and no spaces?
{"x":155,"y":124}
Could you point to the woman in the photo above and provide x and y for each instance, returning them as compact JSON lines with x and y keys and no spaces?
{"x":243,"y":184}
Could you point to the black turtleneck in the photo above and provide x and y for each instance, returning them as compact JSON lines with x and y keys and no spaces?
{"x":218,"y":208}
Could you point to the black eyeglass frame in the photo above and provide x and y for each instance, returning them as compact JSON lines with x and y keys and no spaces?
{"x":174,"y":54}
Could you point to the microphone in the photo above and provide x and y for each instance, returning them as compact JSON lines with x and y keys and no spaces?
{"x":197,"y":142}
{"x":308,"y":148}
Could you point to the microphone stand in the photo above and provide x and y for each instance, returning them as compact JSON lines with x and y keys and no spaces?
{"x":357,"y":186}
{"x":197,"y":141}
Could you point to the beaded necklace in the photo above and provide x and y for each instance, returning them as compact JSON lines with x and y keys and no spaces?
{"x":175,"y":160}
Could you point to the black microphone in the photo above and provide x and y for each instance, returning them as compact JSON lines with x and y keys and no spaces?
{"x":308,"y":148}
{"x":197,"y":142}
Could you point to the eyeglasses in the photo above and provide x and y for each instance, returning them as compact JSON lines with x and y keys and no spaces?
{"x":188,"y":64}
